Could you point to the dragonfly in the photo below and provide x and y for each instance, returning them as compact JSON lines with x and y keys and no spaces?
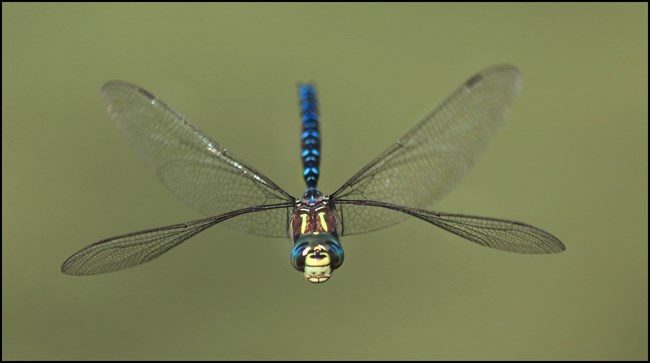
{"x":404,"y":181}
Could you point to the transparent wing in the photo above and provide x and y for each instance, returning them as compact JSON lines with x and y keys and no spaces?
{"x":489,"y":232}
{"x":435,"y":155}
{"x":133,"y":249}
{"x":194,"y":167}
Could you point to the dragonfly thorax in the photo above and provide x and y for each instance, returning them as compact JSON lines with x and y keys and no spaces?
{"x":317,"y":251}
{"x":312,"y":214}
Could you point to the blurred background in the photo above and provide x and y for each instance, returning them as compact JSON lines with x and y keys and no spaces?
{"x":571,"y":159}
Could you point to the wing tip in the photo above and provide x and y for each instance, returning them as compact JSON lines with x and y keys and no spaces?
{"x":109,"y":86}
{"x":498,"y":68}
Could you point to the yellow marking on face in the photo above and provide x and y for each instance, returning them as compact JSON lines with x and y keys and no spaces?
{"x":306,"y":251}
{"x":322,"y":220}
{"x":317,"y":262}
{"x":304,"y":223}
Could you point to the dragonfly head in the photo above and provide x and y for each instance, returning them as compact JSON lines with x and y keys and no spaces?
{"x":317,"y":256}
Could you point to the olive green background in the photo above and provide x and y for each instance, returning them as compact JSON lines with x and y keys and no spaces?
{"x":571,"y":158}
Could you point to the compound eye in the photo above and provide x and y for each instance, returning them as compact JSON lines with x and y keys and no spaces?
{"x":298,"y":255}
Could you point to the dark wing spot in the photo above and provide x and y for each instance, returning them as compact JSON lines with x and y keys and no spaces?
{"x":146,"y":93}
{"x":474,"y":81}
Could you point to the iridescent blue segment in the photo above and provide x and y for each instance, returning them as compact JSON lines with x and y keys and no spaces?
{"x":310,"y":137}
{"x":312,"y":195}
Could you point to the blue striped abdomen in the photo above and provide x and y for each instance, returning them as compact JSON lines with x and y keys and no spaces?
{"x":310,"y":137}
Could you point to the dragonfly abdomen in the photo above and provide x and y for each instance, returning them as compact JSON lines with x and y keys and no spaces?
{"x":310,"y":137}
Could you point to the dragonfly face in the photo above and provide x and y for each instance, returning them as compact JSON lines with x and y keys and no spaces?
{"x":405,"y":180}
{"x":317,"y":255}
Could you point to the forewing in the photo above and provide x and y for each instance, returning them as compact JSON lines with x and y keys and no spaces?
{"x":133,"y":249}
{"x":496,"y":233}
{"x":489,"y":232}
